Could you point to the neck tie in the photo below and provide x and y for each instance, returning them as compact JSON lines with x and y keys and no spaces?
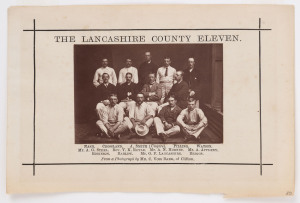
{"x":166,"y":73}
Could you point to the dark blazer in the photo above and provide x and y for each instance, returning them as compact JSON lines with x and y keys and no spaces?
{"x":166,"y":114}
{"x":125,"y":88}
{"x":103,"y":92}
{"x":144,"y":70}
{"x":193,"y":81}
{"x":155,"y":88}
{"x":181,"y":92}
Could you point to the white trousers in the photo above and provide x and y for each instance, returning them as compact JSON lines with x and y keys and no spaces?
{"x":121,"y":128}
{"x":161,"y":106}
{"x":167,"y":103}
{"x":195,"y":131}
{"x":149,"y":122}
{"x":160,"y":128}
{"x":153,"y":105}
{"x":99,"y":110}
{"x":165,"y":88}
{"x":127,"y":105}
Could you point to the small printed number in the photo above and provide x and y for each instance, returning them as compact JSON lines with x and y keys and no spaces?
{"x":289,"y":193}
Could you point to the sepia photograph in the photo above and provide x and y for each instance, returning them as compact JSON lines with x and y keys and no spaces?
{"x":148,"y":93}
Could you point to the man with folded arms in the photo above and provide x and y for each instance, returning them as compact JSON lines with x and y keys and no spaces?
{"x":112,"y":122}
{"x":165,"y":123}
{"x":192,"y":121}
{"x":141,"y":113}
{"x":152,"y":92}
{"x":127,"y":93}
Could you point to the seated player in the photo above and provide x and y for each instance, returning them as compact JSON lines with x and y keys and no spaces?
{"x":127,"y":93}
{"x":102,"y":93}
{"x":192,"y":121}
{"x":141,"y":113}
{"x":152,"y":91}
{"x":165,"y":123}
{"x":112,"y":122}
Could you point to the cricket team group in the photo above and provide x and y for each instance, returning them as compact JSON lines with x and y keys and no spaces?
{"x":138,"y":99}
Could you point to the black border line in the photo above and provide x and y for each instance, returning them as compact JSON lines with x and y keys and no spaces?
{"x":260,"y":125}
{"x":170,"y":29}
{"x":117,"y":163}
{"x":34,"y":96}
{"x":57,"y":30}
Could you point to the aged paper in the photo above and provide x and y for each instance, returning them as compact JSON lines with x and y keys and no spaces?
{"x":228,"y":70}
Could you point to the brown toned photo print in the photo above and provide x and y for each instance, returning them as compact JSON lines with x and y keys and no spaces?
{"x":148,"y":93}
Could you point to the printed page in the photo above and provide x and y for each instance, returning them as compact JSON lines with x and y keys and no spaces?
{"x":151,"y":98}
